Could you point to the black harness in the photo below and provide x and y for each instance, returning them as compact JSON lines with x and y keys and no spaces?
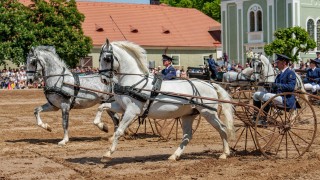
{"x":58,"y":90}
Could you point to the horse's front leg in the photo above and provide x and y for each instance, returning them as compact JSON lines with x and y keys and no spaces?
{"x":65,"y":108}
{"x":187,"y":136}
{"x":112,"y":109}
{"x":126,"y":120}
{"x":44,"y":108}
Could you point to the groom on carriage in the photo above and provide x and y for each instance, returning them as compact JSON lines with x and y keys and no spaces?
{"x":169,"y":72}
{"x":284,"y":82}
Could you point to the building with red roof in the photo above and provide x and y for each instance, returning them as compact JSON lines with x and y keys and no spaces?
{"x":186,"y":34}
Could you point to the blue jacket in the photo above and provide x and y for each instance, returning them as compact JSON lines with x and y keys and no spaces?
{"x":286,"y":82}
{"x":168,"y":73}
{"x":212,"y":64}
{"x":312,"y":76}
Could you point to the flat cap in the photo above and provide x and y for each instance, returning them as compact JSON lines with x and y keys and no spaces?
{"x":165,"y":57}
{"x":314,"y":61}
{"x":281,"y":57}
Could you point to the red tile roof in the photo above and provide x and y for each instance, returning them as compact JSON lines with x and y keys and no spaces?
{"x":147,"y":25}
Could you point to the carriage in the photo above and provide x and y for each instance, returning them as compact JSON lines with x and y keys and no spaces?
{"x":289,"y":133}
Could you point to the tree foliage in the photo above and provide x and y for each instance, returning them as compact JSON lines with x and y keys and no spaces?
{"x":209,"y":7}
{"x":15,"y":35}
{"x":290,"y":42}
{"x":54,"y":22}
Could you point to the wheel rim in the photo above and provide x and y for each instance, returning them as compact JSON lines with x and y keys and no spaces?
{"x":288,"y":133}
{"x":244,"y":141}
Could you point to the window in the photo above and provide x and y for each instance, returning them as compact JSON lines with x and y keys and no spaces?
{"x":259,"y":20}
{"x":252,"y":22}
{"x":310,"y":28}
{"x":176,"y":60}
{"x":255,"y":18}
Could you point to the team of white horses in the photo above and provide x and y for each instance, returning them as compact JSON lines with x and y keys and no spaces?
{"x":124,"y":73}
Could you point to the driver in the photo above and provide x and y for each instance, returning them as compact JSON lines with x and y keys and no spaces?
{"x":169,"y":72}
{"x":312,"y":79}
{"x":284,"y":82}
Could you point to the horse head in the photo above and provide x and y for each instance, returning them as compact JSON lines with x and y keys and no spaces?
{"x":262,"y":69}
{"x":120,"y":58}
{"x":33,"y":65}
{"x":107,"y":63}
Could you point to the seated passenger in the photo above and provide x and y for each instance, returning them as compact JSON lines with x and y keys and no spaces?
{"x":169,"y":72}
{"x":284,"y":82}
{"x":312,"y":80}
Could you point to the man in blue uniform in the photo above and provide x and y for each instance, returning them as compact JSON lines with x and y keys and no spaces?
{"x":169,"y":72}
{"x":212,"y":67}
{"x":284,"y":82}
{"x":312,"y":79}
{"x":318,"y":59}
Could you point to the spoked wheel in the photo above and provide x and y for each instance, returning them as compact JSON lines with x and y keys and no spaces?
{"x":244,"y":126}
{"x":286,"y":132}
{"x":140,"y":127}
{"x":171,"y":128}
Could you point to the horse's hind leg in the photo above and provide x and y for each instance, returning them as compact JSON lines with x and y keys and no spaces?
{"x":187,"y":136}
{"x":212,"y":118}
{"x":44,"y":108}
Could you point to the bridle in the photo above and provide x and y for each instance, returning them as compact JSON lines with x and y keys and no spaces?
{"x":260,"y":65}
{"x":109,"y":73}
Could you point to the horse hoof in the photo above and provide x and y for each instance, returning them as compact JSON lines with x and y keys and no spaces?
{"x":105,"y":159}
{"x":173,"y":158}
{"x":105,"y":129}
{"x":223,"y":156}
{"x":48,"y":128}
{"x":62,"y":143}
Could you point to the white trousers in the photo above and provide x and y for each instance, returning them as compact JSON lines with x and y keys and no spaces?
{"x":265,"y":96}
{"x":312,"y":87}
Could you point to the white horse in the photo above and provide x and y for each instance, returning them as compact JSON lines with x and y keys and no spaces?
{"x":243,"y":76}
{"x":124,"y":63}
{"x":62,"y":96}
{"x":264,"y":72}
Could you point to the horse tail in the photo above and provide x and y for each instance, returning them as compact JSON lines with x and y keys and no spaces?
{"x":227,"y":109}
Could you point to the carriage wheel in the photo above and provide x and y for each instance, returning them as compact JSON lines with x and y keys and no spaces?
{"x":287,"y":133}
{"x":244,"y":127}
{"x":141,"y":127}
{"x":171,"y":128}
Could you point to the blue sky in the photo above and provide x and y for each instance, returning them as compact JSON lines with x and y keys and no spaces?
{"x":123,"y":1}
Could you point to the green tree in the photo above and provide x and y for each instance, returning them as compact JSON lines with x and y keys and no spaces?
{"x":53,"y":22}
{"x":209,"y":7}
{"x":290,"y":42}
{"x":15,"y":36}
{"x":58,"y":23}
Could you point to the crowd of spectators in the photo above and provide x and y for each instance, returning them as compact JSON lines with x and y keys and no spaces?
{"x":16,"y":78}
{"x":13,"y":78}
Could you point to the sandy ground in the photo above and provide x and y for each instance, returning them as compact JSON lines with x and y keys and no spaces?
{"x":29,"y":152}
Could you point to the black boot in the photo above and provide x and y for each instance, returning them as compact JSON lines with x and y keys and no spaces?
{"x":258,"y":105}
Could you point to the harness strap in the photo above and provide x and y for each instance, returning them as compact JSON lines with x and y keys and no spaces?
{"x":157,"y":81}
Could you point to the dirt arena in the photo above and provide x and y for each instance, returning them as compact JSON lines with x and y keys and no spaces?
{"x":29,"y":152}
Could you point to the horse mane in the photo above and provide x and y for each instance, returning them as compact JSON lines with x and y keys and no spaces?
{"x":265,"y":61}
{"x":52,"y":50}
{"x":138,"y":53}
